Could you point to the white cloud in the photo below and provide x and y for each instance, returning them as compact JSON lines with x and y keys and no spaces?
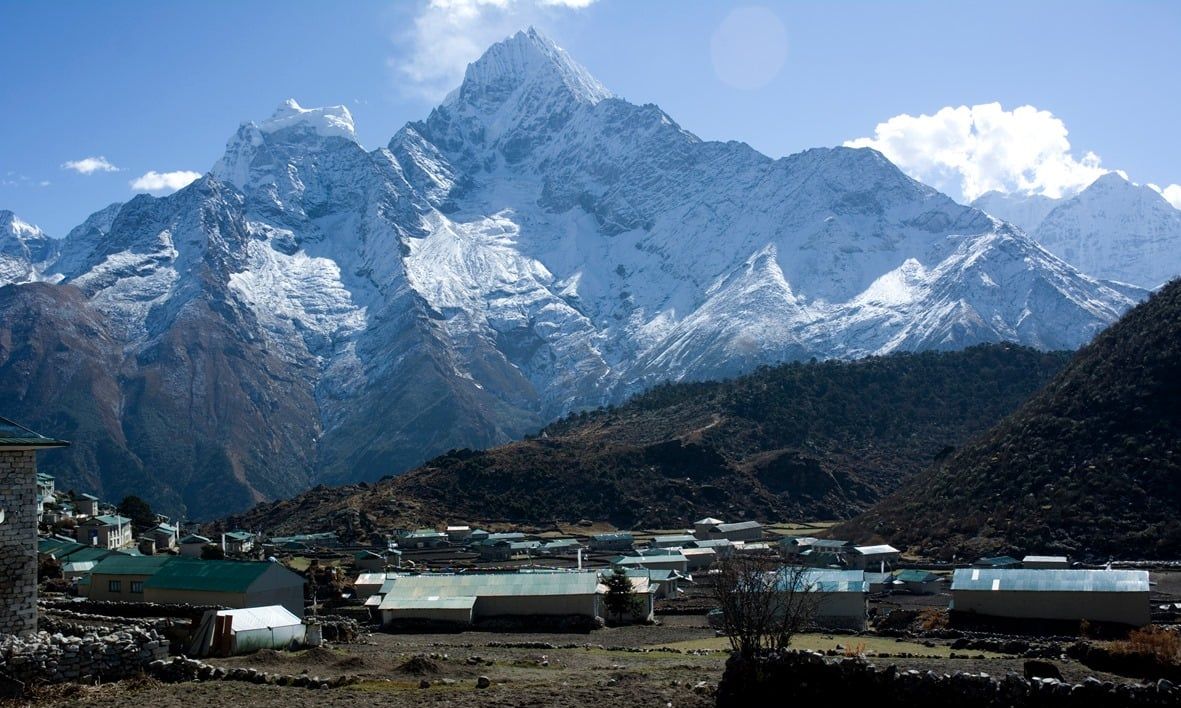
{"x":1171,"y":193}
{"x":971,"y":150}
{"x":447,"y":35}
{"x":90,"y":165}
{"x":163,"y":182}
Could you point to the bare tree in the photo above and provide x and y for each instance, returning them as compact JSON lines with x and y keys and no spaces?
{"x":764,"y":601}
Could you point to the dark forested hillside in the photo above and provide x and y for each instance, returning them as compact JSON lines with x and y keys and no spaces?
{"x":806,"y":440}
{"x":1090,"y":466}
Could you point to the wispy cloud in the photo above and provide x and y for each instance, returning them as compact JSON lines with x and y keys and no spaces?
{"x":163,"y":182}
{"x":447,"y":35}
{"x":90,"y":165}
{"x":971,"y":150}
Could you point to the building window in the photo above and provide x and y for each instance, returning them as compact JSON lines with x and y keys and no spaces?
{"x":137,"y":586}
{"x":114,"y":586}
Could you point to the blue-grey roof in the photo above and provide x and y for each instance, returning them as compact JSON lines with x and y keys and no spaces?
{"x":822,"y":580}
{"x":1032,"y":580}
{"x":829,"y":543}
{"x":492,"y":585}
{"x":738,"y":526}
{"x":677,"y":538}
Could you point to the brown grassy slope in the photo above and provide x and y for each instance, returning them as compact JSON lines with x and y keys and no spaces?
{"x":819,"y":440}
{"x":1091,"y":465}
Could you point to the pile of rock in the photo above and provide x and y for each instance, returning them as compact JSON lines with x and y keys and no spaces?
{"x":181,"y":669}
{"x":56,"y":658}
{"x":810,"y":677}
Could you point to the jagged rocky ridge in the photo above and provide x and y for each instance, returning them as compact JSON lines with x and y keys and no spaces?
{"x":312,"y":311}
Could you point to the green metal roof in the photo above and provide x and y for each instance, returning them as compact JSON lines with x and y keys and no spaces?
{"x":209,"y":575}
{"x":240,"y":535}
{"x":55,"y":546}
{"x":916,"y":576}
{"x":88,"y":553}
{"x":16,"y":435}
{"x":130,"y":565}
{"x":194,"y":538}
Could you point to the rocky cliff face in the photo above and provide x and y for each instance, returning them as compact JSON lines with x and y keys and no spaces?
{"x":311,"y":310}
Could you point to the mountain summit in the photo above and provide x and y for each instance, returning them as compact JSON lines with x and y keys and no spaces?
{"x":312,"y":311}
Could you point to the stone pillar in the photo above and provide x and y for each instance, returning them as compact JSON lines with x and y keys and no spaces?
{"x":18,"y":542}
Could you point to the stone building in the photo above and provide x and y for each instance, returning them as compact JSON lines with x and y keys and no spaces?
{"x":18,"y":526}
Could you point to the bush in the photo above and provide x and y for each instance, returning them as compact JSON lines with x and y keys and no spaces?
{"x":1161,"y":644}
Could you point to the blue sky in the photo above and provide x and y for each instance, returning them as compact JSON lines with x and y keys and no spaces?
{"x":160,"y":86}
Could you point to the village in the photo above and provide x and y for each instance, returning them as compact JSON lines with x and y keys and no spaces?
{"x":102,"y":599}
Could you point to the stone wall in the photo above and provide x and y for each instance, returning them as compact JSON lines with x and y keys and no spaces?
{"x":55,"y":658}
{"x":810,"y":678}
{"x":18,"y":542}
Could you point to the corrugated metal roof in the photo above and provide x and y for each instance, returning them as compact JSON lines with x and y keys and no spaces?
{"x":1044,"y":559}
{"x":249,"y":618}
{"x":1033,"y":580}
{"x":738,"y":526}
{"x":211,"y":575}
{"x":56,"y":545}
{"x":821,"y":580}
{"x":613,"y":537}
{"x":429,"y":602}
{"x":493,"y":585}
{"x":828,"y":543}
{"x":713,"y":543}
{"x":78,"y":566}
{"x":917,"y":576}
{"x":370,"y":579}
{"x":876,"y":550}
{"x":16,"y":435}
{"x":657,"y":559}
{"x":86,"y":553}
{"x":676,"y":538}
{"x":109,"y":520}
{"x":999,"y":561}
{"x":131,"y":565}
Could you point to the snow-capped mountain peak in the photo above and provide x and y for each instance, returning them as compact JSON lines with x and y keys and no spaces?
{"x":330,"y":121}
{"x":259,"y":152}
{"x":524,"y":62}
{"x":532,"y":248}
{"x":1118,"y":230}
{"x":25,"y":250}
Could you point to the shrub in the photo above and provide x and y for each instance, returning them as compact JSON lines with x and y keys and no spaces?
{"x":1162,"y":644}
{"x":932,"y":619}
